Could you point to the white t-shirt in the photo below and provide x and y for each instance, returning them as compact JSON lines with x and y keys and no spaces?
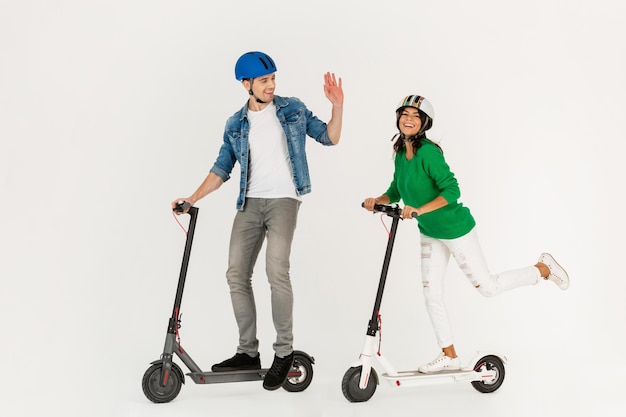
{"x":269,"y":167}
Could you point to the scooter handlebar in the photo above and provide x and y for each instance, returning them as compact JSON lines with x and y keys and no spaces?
{"x":390,"y":210}
{"x":182,"y":206}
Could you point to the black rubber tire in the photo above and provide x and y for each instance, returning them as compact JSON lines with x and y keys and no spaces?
{"x":350,"y":385}
{"x":302,"y":382}
{"x":491,"y":363}
{"x":154,"y":391}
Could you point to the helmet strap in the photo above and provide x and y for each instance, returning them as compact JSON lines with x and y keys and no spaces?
{"x":258,"y":100}
{"x":420,"y":135}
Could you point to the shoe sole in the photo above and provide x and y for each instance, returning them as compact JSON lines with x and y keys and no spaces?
{"x":273,"y":388}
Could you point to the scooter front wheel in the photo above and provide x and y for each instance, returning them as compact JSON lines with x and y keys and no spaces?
{"x":495,"y":367}
{"x":300,"y":375}
{"x":350,"y":385}
{"x":152,"y":387}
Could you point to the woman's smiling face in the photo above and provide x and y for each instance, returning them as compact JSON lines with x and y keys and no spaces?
{"x":410,"y":122}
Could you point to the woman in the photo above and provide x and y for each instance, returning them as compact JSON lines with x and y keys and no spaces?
{"x":423,"y":181}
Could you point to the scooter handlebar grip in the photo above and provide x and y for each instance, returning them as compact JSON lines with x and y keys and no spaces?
{"x":182,"y":206}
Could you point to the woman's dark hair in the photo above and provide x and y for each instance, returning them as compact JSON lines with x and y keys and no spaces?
{"x":399,"y":144}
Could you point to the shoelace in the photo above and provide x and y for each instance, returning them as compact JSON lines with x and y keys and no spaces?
{"x":557,"y":278}
{"x":278,"y":365}
{"x":437,"y":361}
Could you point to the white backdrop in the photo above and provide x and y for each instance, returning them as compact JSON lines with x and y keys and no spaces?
{"x":111,"y":109}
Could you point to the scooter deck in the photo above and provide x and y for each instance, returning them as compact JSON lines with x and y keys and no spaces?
{"x":235,"y":376}
{"x":418,"y":373}
{"x":229,"y":376}
{"x":411,"y":378}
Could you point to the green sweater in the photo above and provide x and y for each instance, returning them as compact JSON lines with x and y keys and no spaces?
{"x":423,"y":178}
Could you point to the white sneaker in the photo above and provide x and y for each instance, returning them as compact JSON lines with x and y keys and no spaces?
{"x":441,"y":363}
{"x":557,"y":273}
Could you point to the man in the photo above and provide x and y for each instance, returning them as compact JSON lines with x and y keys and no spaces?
{"x":267,"y":138}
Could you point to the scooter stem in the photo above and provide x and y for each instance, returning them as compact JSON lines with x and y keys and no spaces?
{"x":193,"y":213}
{"x":372,"y":327}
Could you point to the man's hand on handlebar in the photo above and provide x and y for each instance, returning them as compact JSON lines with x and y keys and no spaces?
{"x":181,"y":205}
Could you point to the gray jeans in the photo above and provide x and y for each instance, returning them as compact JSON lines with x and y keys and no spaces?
{"x":276,"y":219}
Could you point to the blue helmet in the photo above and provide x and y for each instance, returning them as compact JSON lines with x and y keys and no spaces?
{"x":254,"y":64}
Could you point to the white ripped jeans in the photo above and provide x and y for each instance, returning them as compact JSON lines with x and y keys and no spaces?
{"x":469,"y":256}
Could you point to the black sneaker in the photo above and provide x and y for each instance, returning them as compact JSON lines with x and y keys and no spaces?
{"x":277,"y":374}
{"x":239,"y":362}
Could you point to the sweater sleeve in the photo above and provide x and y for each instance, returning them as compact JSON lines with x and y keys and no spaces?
{"x":437,"y":168}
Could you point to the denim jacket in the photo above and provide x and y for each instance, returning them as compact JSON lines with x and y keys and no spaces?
{"x":297,"y":122}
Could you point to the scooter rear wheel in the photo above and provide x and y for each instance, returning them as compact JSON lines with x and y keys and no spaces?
{"x":303,"y":366}
{"x":153,"y":389}
{"x":350,"y":385}
{"x":489,"y":363}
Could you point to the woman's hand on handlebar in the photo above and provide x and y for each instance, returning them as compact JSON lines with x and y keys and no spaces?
{"x":369,"y":203}
{"x":409,"y":212}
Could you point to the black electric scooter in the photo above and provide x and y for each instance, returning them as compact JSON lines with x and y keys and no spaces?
{"x":163,"y":380}
{"x":485,"y":371}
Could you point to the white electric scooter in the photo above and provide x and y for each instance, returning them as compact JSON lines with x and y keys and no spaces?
{"x":485,"y":371}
